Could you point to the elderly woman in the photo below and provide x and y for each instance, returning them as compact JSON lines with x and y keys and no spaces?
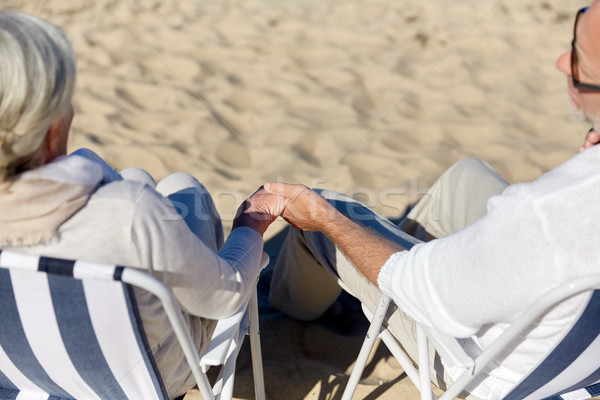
{"x":77,"y":206}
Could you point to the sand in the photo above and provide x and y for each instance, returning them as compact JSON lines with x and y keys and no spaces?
{"x":372,"y":98}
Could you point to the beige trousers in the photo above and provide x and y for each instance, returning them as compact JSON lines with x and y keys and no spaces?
{"x":310,"y":272}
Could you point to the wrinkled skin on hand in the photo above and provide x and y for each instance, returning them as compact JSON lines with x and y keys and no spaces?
{"x":305,"y":209}
{"x":259,"y":210}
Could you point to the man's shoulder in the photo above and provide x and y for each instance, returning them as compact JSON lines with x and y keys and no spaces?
{"x":581,"y":172}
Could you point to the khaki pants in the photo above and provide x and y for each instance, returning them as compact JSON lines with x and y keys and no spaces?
{"x":310,"y":272}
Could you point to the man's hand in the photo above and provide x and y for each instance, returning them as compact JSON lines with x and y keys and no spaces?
{"x":591,"y":139}
{"x":305,"y":210}
{"x":259,"y":211}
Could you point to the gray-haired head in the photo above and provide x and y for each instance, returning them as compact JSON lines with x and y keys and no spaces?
{"x":37,"y":77}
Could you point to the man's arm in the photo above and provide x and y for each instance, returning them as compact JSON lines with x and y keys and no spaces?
{"x":307,"y":210}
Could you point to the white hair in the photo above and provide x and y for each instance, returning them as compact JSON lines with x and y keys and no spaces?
{"x":37,"y":78}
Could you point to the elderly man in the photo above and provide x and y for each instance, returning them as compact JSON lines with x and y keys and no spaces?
{"x":77,"y":206}
{"x":480,"y":251}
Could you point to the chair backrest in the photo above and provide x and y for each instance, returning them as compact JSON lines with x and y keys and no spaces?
{"x":570,"y":371}
{"x":71,"y":338}
{"x":71,"y":329}
{"x":572,"y":365}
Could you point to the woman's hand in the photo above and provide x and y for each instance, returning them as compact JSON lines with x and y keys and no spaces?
{"x":305,"y":209}
{"x":259,"y":211}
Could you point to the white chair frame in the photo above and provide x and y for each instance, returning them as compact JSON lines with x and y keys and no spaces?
{"x":225,"y":343}
{"x":219,"y":352}
{"x":448,"y":347}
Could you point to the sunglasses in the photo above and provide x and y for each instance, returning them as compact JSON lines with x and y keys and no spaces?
{"x":577,"y":84}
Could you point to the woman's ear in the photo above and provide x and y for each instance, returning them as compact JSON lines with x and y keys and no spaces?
{"x":55,"y":144}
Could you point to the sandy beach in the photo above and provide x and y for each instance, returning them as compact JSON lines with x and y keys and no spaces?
{"x":371,"y":98}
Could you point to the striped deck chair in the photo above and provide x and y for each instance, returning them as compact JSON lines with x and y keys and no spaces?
{"x":571,"y":371}
{"x":71,"y":330}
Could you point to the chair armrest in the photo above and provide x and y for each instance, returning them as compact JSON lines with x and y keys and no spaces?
{"x":447,"y":346}
{"x":450,"y":350}
{"x":227,"y":334}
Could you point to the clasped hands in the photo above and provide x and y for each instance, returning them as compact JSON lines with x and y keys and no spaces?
{"x":297,"y":204}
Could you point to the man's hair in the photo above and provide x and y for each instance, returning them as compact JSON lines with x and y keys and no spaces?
{"x":37,"y":77}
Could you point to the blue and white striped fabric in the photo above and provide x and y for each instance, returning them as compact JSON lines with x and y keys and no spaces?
{"x":68,"y":338}
{"x":574,"y":363}
{"x":581,"y":394}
